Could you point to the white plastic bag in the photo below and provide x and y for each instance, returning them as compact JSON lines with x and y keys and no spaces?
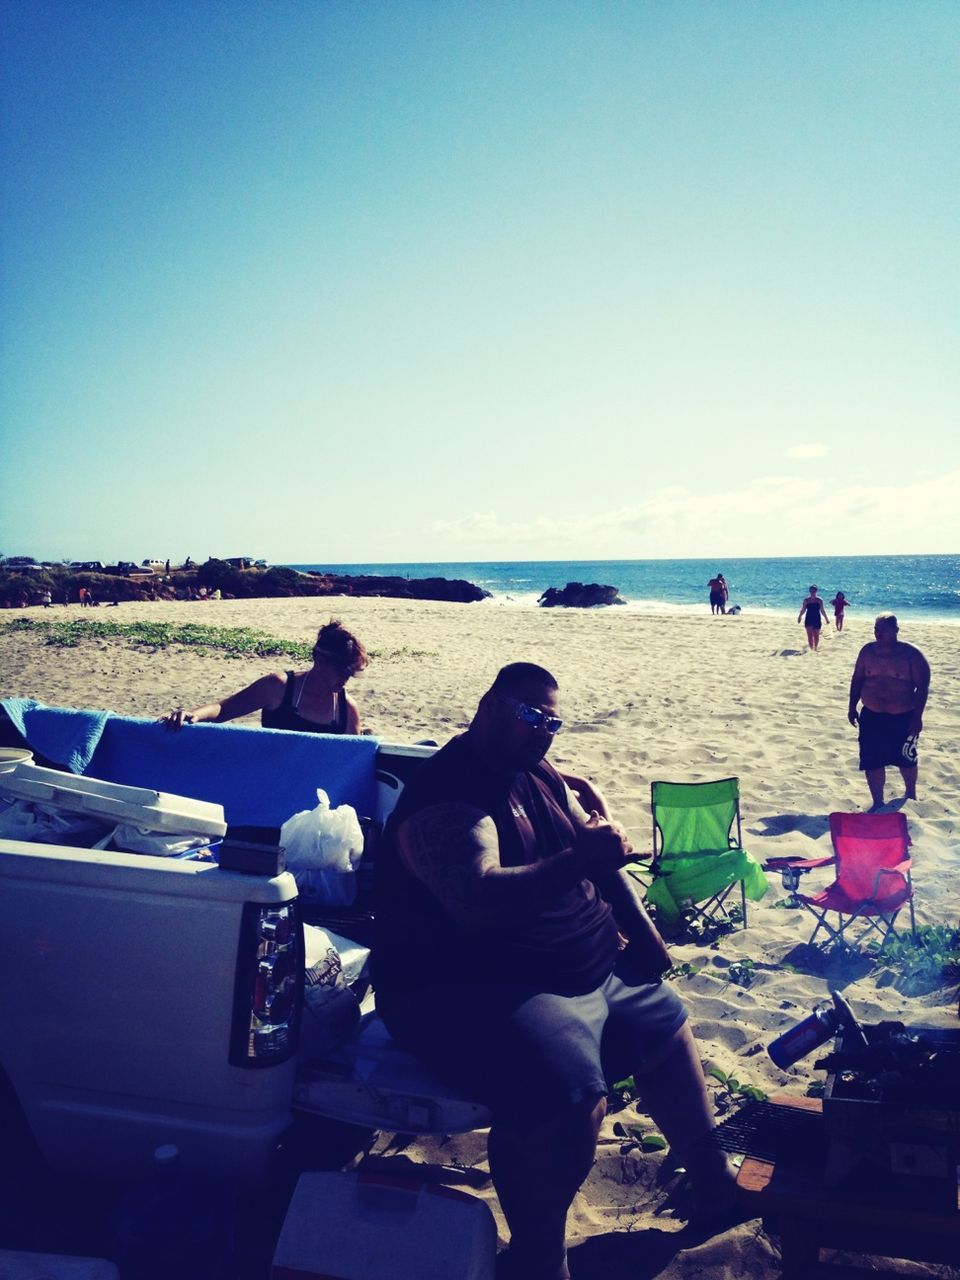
{"x":331,"y":1011}
{"x":133,"y":839}
{"x":38,"y":823}
{"x":323,"y":848}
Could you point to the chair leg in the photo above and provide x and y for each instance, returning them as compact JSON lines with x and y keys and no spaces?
{"x":821,"y":924}
{"x":743,"y":900}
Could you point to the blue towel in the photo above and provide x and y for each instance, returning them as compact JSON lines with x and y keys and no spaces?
{"x":260,"y":776}
{"x":62,"y":734}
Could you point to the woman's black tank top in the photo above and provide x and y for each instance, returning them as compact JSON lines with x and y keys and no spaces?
{"x":286,"y":716}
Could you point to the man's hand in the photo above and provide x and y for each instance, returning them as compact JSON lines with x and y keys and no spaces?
{"x":916,"y":724}
{"x":601,"y":847}
{"x":853,"y":717}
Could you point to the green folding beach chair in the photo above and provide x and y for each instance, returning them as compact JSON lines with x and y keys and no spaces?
{"x":697,"y":858}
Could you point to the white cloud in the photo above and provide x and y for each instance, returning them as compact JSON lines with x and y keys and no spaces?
{"x":807,"y":451}
{"x":770,"y":516}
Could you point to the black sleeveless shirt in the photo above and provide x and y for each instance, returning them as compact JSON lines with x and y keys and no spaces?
{"x":568,"y":944}
{"x":286,"y":716}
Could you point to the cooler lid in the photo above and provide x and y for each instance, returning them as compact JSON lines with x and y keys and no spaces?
{"x":151,"y":810}
{"x":12,"y":757}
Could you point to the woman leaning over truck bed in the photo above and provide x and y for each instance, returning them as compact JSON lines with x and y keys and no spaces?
{"x":311,"y":701}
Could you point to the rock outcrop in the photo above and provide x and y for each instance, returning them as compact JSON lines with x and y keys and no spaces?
{"x":454,"y":589}
{"x":579,"y":595}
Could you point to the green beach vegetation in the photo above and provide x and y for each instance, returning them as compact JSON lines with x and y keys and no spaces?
{"x":233,"y":642}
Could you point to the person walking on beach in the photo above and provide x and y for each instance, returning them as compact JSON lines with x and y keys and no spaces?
{"x":838,"y":604}
{"x":499,"y":960}
{"x":812,"y":612}
{"x":311,"y":701}
{"x":891,"y":681}
{"x":718,"y":594}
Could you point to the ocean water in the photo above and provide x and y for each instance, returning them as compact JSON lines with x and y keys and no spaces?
{"x":922,"y":588}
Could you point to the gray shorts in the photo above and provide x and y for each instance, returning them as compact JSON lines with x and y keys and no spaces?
{"x":528,"y":1056}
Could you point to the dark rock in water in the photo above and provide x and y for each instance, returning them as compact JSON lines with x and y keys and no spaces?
{"x":455,"y":589}
{"x":579,"y":595}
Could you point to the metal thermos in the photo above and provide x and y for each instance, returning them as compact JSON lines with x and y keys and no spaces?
{"x":802,"y":1038}
{"x":816,"y":1029}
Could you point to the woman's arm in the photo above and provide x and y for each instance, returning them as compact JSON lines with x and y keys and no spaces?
{"x":265,"y":692}
{"x":353,"y":714}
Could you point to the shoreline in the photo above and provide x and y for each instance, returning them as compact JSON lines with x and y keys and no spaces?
{"x":655,"y":607}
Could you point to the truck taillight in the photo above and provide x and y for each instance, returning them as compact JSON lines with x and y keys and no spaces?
{"x":269,"y":989}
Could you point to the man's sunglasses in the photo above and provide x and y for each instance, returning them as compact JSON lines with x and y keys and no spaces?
{"x":534,"y":717}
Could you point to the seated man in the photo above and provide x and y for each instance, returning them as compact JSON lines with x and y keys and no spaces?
{"x":500,"y":960}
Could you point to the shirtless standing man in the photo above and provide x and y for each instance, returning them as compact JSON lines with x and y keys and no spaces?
{"x":891,"y":680}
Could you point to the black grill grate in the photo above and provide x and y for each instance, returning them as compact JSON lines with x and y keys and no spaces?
{"x":769,"y":1132}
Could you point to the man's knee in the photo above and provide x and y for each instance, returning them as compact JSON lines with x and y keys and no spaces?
{"x":564,"y":1122}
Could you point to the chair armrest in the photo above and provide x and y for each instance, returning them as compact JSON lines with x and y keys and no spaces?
{"x":796,"y":864}
{"x":900,"y":874}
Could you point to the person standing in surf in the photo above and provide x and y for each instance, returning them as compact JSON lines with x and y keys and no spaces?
{"x":718,"y":594}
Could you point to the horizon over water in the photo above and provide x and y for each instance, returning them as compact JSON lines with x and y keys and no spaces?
{"x":921,"y":588}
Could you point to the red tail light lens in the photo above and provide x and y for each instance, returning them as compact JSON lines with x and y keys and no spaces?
{"x":269,"y":991}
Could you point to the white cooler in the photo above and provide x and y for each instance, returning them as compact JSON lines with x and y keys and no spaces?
{"x":346,"y":1226}
{"x":150,"y":812}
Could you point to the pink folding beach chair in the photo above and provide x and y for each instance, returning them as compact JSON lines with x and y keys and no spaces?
{"x":873,"y":878}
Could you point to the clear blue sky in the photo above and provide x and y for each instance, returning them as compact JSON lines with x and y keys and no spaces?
{"x":332,"y":280}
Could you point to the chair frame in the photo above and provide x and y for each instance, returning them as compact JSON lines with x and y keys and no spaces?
{"x":867,"y":915}
{"x":712,"y":910}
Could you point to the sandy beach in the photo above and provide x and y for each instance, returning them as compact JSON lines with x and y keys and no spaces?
{"x":644,"y":697}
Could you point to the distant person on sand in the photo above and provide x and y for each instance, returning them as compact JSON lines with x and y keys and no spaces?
{"x":498,"y":960}
{"x":311,"y":701}
{"x":718,"y":594}
{"x":838,"y":604}
{"x":891,"y":680}
{"x":813,"y":613}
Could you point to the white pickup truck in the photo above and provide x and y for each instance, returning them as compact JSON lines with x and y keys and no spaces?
{"x":151,"y":1000}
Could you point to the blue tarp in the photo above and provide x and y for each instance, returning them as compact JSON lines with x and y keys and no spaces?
{"x":260,"y":776}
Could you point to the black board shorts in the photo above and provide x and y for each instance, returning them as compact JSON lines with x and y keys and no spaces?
{"x":882,"y":739}
{"x":530,"y":1055}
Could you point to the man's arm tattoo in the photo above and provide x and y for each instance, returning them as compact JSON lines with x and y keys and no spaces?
{"x":450,"y":847}
{"x":454,"y":850}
